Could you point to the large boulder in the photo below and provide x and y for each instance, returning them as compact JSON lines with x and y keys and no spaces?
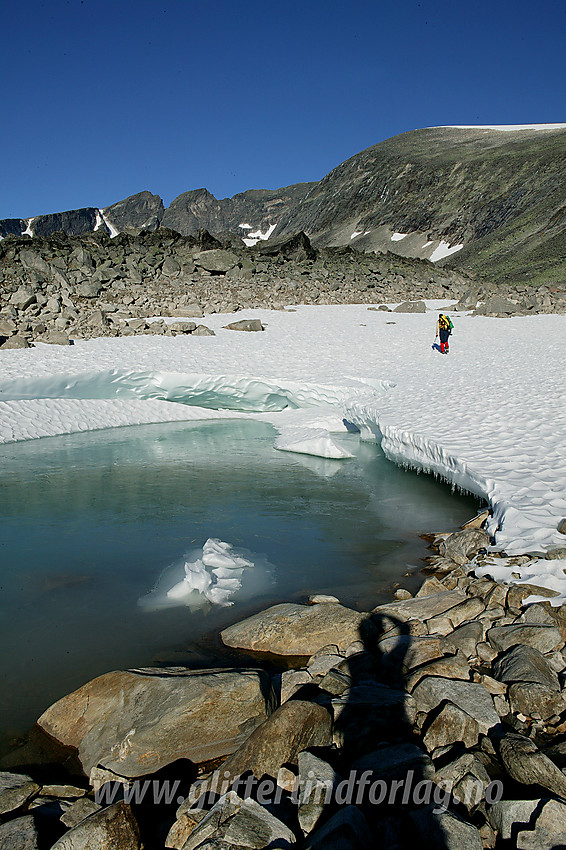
{"x":290,"y":629}
{"x":217,"y":261}
{"x":463,"y":545}
{"x":245,"y":325}
{"x":411,"y":307}
{"x":525,"y":763}
{"x":496,"y":305}
{"x":135,"y":722}
{"x":297,"y":247}
{"x":294,"y":727}
{"x":19,"y":834}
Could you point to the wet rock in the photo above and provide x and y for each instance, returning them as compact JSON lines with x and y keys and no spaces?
{"x":541,"y":637}
{"x":113,"y":828}
{"x":292,"y":629}
{"x":245,"y":325}
{"x":525,"y":763}
{"x":134,"y":723}
{"x":19,"y":834}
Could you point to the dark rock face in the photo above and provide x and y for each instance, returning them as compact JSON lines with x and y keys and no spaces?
{"x":73,"y":222}
{"x":144,"y":211}
{"x":258,"y":209}
{"x":14,"y":226}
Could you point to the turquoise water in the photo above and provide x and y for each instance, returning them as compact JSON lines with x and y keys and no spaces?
{"x":90,"y":523}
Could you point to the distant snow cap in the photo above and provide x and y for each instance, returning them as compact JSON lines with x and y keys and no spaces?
{"x":503,"y":127}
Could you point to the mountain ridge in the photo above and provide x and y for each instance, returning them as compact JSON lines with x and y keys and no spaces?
{"x":490,"y":201}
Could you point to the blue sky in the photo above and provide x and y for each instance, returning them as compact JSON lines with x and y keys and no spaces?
{"x":103,"y":99}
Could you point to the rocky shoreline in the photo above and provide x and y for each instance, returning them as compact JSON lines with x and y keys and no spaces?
{"x":60,"y":288}
{"x":438,"y":717}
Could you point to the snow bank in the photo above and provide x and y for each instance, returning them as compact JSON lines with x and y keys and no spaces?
{"x":310,"y":441}
{"x":489,"y":418}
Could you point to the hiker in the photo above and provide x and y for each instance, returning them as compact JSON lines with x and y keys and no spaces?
{"x":443,"y":329}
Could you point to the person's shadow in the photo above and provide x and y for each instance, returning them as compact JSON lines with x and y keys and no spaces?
{"x":436,"y":347}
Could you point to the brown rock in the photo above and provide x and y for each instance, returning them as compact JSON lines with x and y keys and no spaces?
{"x":134,"y":723}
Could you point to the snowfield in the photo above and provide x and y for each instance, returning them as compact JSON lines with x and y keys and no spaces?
{"x":490,"y":417}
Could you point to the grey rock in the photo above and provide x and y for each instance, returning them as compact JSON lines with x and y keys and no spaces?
{"x":448,"y":667}
{"x":134,"y":722}
{"x":15,"y":342}
{"x":15,"y":790}
{"x":466,"y":638}
{"x":541,"y":637}
{"x":496,"y":305}
{"x":23,"y":297}
{"x":31,"y":260}
{"x":89,"y":289}
{"x":245,"y":325}
{"x":471,"y":698}
{"x":202,"y":330}
{"x":292,"y":728}
{"x":411,"y":307}
{"x":171,"y":267}
{"x":393,"y":762}
{"x":217,"y":260}
{"x":557,"y":553}
{"x":422,"y":607}
{"x":292,"y":629}
{"x":182,"y":327}
{"x":317,"y":779}
{"x":537,"y":701}
{"x":562,"y":526}
{"x":79,"y":810}
{"x":507,"y":816}
{"x":549,"y":831}
{"x":525,"y":664}
{"x":19,"y":834}
{"x":525,"y":763}
{"x":113,"y":828}
{"x":445,"y":831}
{"x":450,"y":726}
{"x":402,"y":653}
{"x":461,"y":546}
{"x":240,"y":823}
{"x":54,"y":337}
{"x":346,"y":830}
{"x":7,"y":327}
{"x":292,"y":681}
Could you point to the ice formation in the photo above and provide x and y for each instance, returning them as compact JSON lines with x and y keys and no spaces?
{"x":216,"y":575}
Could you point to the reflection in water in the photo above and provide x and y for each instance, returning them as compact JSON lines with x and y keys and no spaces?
{"x":89,"y":522}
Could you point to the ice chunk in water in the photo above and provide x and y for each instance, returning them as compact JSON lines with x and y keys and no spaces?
{"x":214,"y":577}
